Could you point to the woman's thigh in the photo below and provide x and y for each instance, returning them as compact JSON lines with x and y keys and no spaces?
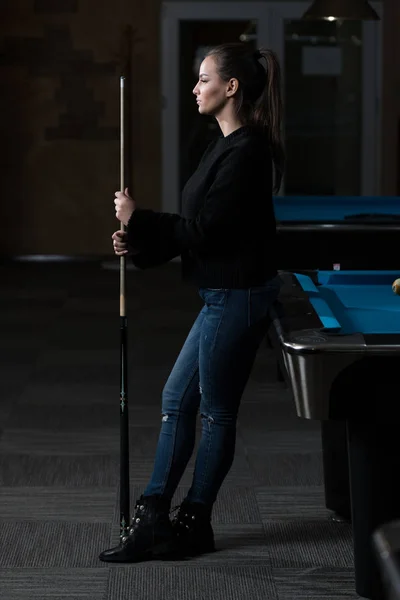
{"x":233,"y":327}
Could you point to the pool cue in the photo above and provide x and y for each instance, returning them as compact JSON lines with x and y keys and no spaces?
{"x":124,"y":413}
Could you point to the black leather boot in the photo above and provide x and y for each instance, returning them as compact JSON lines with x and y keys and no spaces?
{"x":150,"y":535}
{"x":193,"y":533}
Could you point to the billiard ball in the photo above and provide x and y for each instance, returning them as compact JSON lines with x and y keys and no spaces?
{"x":396,"y":287}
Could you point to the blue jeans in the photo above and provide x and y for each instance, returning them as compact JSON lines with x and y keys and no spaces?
{"x":210,"y":374}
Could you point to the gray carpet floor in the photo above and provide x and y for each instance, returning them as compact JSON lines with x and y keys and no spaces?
{"x":59,"y":451}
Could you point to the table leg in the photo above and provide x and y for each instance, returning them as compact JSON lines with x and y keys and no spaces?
{"x":374,"y":458}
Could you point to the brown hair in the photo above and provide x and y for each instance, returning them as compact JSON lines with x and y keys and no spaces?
{"x":259,"y":97}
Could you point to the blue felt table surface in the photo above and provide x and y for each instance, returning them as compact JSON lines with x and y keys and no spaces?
{"x":355,"y":301}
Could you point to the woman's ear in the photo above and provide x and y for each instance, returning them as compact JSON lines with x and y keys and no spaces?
{"x":233,"y":87}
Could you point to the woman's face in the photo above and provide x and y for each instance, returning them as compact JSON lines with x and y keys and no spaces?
{"x":212,"y":93}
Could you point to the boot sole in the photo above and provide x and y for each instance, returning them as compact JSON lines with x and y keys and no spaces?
{"x":155,"y":552}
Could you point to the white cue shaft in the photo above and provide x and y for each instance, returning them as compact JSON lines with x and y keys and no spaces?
{"x":122,"y":300}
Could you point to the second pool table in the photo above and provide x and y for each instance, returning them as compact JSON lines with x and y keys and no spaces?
{"x":355,"y":232}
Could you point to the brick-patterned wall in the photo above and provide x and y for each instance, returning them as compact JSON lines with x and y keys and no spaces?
{"x":59,"y":106}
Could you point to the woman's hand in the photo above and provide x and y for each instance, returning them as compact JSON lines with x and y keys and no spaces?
{"x":125,"y":206}
{"x":120,"y":244}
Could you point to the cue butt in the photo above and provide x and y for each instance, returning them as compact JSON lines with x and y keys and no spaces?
{"x":122,"y":286}
{"x":124,"y":433}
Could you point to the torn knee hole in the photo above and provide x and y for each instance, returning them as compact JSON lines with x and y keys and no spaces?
{"x":207,"y":418}
{"x":165,"y":418}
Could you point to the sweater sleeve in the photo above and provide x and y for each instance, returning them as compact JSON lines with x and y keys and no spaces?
{"x":155,"y":256}
{"x":218,"y":222}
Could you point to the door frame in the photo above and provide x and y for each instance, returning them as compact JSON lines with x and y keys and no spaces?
{"x":270,"y":33}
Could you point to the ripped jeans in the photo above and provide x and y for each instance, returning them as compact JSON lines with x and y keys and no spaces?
{"x":210,"y":375}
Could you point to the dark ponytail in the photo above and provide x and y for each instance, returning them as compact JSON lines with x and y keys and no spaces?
{"x":259,"y":97}
{"x":268,"y":112}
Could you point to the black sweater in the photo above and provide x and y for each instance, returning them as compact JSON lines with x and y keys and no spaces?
{"x":226,"y":233}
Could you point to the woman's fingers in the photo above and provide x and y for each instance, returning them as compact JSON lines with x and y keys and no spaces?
{"x":120,"y":250}
{"x":120,"y":235}
{"x":120,"y":243}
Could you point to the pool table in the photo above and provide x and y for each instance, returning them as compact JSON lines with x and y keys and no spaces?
{"x":328,"y":232}
{"x":337,"y":334}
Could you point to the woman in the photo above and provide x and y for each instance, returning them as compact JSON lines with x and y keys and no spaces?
{"x":226,"y":239}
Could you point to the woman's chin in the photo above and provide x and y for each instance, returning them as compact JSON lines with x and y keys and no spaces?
{"x":202,"y":110}
{"x":208,"y":112}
